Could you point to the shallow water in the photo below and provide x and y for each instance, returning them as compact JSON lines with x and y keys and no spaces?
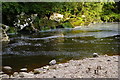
{"x":36,"y":50}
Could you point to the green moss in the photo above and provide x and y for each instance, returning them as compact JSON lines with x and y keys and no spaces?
{"x":67,"y":25}
{"x":111,"y":17}
{"x":78,"y":21}
{"x":46,"y":24}
{"x":12,"y":30}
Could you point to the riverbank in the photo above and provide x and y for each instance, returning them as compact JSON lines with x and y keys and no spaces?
{"x":98,"y":67}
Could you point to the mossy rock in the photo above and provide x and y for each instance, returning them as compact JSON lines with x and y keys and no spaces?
{"x":67,"y":24}
{"x":12,"y":30}
{"x":48,"y":24}
{"x":77,"y":23}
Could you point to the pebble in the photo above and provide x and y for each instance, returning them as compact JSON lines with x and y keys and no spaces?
{"x":53,"y":67}
{"x":1,"y":72}
{"x":46,"y":67}
{"x":105,"y":55}
{"x":11,"y":76}
{"x":23,"y":69}
{"x":7,"y":69}
{"x":91,"y":58}
{"x":52,"y":62}
{"x":25,"y":74}
{"x":95,"y":55}
{"x":60,"y":64}
{"x":37,"y":71}
{"x":117,"y":61}
{"x":15,"y":74}
{"x":108,"y":60}
{"x":31,"y":72}
{"x":5,"y":76}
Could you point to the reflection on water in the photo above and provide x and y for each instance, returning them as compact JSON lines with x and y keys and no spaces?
{"x":36,"y":50}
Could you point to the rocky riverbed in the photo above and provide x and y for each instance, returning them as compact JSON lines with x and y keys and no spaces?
{"x":96,"y":67}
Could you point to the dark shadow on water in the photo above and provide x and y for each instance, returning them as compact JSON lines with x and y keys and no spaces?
{"x":36,"y":50}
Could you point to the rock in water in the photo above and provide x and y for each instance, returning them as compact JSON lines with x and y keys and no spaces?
{"x":23,"y":69}
{"x":53,"y":62}
{"x":7,"y":69}
{"x":95,"y":55}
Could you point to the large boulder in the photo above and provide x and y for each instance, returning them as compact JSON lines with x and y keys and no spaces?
{"x":56,"y":16}
{"x":3,"y":30}
{"x":7,"y":69}
{"x":23,"y":20}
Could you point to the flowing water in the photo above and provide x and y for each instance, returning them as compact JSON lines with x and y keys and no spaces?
{"x":36,"y":50}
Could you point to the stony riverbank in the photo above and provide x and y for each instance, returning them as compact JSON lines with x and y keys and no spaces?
{"x":98,"y":67}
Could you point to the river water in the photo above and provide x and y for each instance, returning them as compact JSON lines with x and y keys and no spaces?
{"x":36,"y":50}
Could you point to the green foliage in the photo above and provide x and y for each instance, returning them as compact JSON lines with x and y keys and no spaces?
{"x":45,"y":24}
{"x":67,"y":25}
{"x":12,"y":30}
{"x":76,"y":21}
{"x":72,"y":11}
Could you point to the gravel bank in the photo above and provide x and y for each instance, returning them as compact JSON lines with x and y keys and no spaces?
{"x":99,"y":67}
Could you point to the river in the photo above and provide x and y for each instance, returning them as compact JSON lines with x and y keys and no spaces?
{"x":37,"y":49}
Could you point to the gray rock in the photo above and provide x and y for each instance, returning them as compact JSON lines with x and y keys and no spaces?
{"x":37,"y":71}
{"x":105,"y":55}
{"x":26,"y":75}
{"x":31,"y":72}
{"x":15,"y":74}
{"x":21,"y":74}
{"x":7,"y":69}
{"x":53,"y":62}
{"x":46,"y":67}
{"x":11,"y":76}
{"x":5,"y":76}
{"x":23,"y":69}
{"x":95,"y":55}
{"x":1,"y":72}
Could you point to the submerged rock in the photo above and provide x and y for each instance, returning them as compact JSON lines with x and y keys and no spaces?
{"x":53,"y":62}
